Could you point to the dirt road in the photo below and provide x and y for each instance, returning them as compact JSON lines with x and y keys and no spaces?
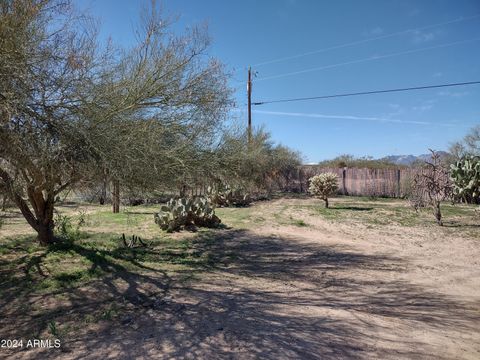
{"x":321,"y":291}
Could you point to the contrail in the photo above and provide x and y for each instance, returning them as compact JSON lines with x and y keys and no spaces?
{"x":341,"y":117}
{"x":375,"y":57}
{"x":386,"y":36}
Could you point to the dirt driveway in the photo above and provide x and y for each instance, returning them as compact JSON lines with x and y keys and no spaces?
{"x":322,"y":291}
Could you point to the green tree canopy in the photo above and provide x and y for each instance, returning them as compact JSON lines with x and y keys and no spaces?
{"x":71,"y":107}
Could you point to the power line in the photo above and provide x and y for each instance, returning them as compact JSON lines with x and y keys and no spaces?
{"x":358,"y":42}
{"x":377,"y":57}
{"x":368,"y":92}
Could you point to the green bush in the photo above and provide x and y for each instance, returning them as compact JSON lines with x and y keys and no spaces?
{"x":66,"y":229}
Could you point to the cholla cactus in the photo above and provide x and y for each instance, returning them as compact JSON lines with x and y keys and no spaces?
{"x":323,"y":186}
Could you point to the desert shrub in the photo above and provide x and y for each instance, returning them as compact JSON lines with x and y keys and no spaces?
{"x":371,"y":190}
{"x":187,"y":213}
{"x":465,"y":175}
{"x":406,"y":186}
{"x":256,"y":164}
{"x":66,"y":229}
{"x":413,"y":192}
{"x":323,"y":186}
{"x":416,"y":195}
{"x":432,"y":185}
{"x":347,"y":160}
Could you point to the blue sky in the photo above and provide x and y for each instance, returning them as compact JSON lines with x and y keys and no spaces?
{"x":417,"y":43}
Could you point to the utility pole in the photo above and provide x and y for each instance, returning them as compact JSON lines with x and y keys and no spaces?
{"x":249,"y":94}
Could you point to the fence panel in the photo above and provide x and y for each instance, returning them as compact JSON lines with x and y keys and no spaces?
{"x":388,"y":182}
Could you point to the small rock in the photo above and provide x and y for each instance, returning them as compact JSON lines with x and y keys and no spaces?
{"x":159,"y":303}
{"x":127,"y":320}
{"x":179,"y":307}
{"x":148,"y":303}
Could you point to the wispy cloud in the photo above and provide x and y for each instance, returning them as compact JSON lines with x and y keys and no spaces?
{"x":454,"y":94}
{"x":376,"y":31}
{"x":419,"y":36}
{"x":396,"y":109}
{"x":340,"y":117}
{"x":424,"y":105}
{"x":414,"y":12}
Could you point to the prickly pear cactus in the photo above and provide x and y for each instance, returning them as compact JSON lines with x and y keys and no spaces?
{"x":225,"y":195}
{"x":179,"y":213}
{"x":465,"y":175}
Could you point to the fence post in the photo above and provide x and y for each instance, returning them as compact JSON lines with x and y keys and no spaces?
{"x":398,"y":184}
{"x":344,"y":185}
{"x":300,"y":179}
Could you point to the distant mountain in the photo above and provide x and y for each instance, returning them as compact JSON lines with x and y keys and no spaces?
{"x":401,"y":159}
{"x":410,"y":159}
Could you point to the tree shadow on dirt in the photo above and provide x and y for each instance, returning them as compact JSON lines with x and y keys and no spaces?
{"x":259,"y":297}
{"x":352,"y":208}
{"x":20,"y":275}
{"x":457,"y":224}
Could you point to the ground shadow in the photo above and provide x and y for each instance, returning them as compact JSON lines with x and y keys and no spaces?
{"x":153,"y":212}
{"x":258,"y":297}
{"x":11,"y":214}
{"x":352,"y":208}
{"x":455,"y":224}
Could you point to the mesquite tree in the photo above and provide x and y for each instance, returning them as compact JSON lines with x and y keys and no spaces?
{"x":71,"y":107}
{"x":432,"y":184}
{"x":253,"y":165}
{"x":469,"y":145}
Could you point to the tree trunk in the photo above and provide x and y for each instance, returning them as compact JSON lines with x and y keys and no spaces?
{"x":437,"y":213}
{"x":300,"y":179}
{"x":116,"y":197}
{"x":41,"y":219}
{"x":45,"y":233}
{"x":326,"y":202}
{"x":4,"y":202}
{"x":103,"y":195}
{"x":43,"y":209}
{"x":183,"y":190}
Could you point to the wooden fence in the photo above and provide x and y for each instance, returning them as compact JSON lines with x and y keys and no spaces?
{"x":390,"y":182}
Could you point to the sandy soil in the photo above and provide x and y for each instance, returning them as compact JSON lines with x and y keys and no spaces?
{"x":324,"y":291}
